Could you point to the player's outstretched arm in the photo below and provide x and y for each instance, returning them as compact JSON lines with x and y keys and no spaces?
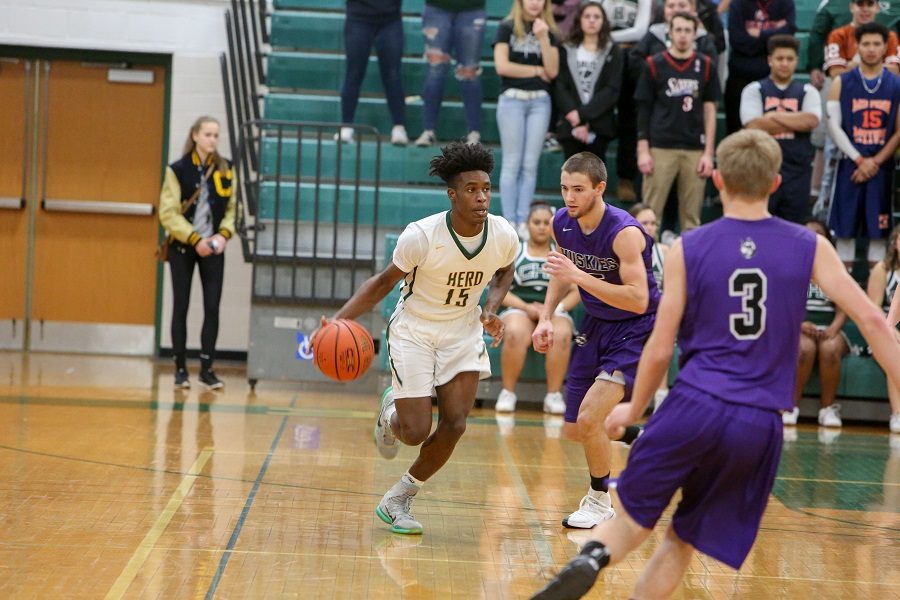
{"x":657,"y":353}
{"x":832,"y":277}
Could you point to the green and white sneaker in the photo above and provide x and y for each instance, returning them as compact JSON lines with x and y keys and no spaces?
{"x":395,"y":506}
{"x":387,"y":443}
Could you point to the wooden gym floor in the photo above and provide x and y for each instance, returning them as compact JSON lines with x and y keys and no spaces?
{"x":115,"y":486}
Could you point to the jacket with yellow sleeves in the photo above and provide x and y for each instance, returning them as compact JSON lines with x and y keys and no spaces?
{"x":183,"y":177}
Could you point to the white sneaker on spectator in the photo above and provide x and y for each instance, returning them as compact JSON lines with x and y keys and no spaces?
{"x":895,"y":423}
{"x":554,"y":403}
{"x":506,"y":401}
{"x":345,"y":135}
{"x":551,"y":144}
{"x":830,"y":416}
{"x":789,"y":417}
{"x":426,"y":139}
{"x":474,"y":137}
{"x":398,"y":136}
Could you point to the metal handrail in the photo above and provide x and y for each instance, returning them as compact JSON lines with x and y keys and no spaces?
{"x":324,"y":260}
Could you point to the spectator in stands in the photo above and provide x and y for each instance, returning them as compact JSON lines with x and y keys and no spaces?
{"x":822,"y":338}
{"x":787,"y":109}
{"x":587,"y":89}
{"x":629,"y":21}
{"x":523,"y":305}
{"x":750,"y":25}
{"x":197,"y":209}
{"x":862,"y":119}
{"x":830,"y":15}
{"x":840,"y":56}
{"x":882,"y":289}
{"x":657,"y":37}
{"x":676,"y":99}
{"x":527,"y":61}
{"x":378,"y":24}
{"x":452,"y":29}
{"x":644,"y":215}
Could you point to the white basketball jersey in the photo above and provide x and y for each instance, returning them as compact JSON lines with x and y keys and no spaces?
{"x":444,"y":280}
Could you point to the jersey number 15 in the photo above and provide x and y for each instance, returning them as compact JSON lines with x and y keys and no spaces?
{"x":462,"y":296}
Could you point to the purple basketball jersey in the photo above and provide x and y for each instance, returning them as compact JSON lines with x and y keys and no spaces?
{"x":746,"y":298}
{"x":593,"y":254}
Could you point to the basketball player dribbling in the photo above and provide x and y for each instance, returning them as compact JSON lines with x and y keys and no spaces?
{"x":435,"y":338}
{"x":736,"y":305}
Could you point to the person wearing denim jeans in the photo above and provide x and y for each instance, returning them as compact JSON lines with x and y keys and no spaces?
{"x":527,"y":60}
{"x":374,"y":23}
{"x":452,"y":29}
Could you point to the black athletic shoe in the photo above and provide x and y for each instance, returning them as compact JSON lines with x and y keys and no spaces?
{"x":182,"y":381}
{"x":209,"y":379}
{"x":573,"y":582}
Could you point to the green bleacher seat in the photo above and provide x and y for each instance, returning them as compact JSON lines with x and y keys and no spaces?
{"x":397,"y":205}
{"x":494,"y":8}
{"x":325,"y":72}
{"x":325,"y":32}
{"x":400,"y":164}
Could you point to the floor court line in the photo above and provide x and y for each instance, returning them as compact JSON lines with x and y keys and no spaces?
{"x":120,"y":586}
{"x":223,"y":562}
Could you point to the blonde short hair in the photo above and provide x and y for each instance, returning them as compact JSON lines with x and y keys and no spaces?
{"x":748,"y":162}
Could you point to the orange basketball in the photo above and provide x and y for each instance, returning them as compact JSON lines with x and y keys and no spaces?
{"x":343,"y":350}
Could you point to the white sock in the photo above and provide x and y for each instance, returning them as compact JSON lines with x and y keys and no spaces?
{"x":407,"y":478}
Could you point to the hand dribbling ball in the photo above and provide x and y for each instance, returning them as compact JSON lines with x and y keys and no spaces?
{"x":343,"y":350}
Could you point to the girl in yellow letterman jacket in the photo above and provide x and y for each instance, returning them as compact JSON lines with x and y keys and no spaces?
{"x":198,"y":236}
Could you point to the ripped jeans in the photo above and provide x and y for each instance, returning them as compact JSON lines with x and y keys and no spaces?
{"x":460,"y":36}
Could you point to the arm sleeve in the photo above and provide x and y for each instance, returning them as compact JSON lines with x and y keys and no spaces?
{"x":170,"y":216}
{"x":504,"y":33}
{"x":751,"y":103}
{"x":812,"y":101}
{"x":564,"y":96}
{"x":412,"y":246}
{"x":639,"y":28}
{"x":837,"y":132}
{"x":711,"y":91}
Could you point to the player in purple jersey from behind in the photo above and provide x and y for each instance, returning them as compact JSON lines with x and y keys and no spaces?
{"x":739,"y":305}
{"x":607,"y":254}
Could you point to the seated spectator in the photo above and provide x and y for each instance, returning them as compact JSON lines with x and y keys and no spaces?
{"x":453,"y":29}
{"x":882,"y":290}
{"x":788,"y":110}
{"x":523,"y":305}
{"x":527,"y":60}
{"x":644,"y":215}
{"x":374,"y":24}
{"x":676,"y":99}
{"x":822,"y":338}
{"x":862,"y":119}
{"x":587,"y":89}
